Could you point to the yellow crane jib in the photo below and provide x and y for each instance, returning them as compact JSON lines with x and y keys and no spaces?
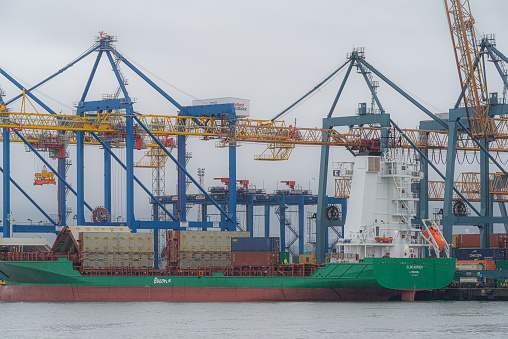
{"x":469,"y":65}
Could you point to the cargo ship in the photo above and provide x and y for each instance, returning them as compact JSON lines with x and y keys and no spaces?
{"x":381,"y":257}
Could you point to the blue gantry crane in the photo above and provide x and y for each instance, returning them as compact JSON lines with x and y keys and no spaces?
{"x":125,"y":132}
{"x":111,"y":122}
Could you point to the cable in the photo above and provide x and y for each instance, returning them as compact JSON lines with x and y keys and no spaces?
{"x":156,"y":76}
{"x":37,"y":90}
{"x":324,"y":82}
{"x":458,"y":158}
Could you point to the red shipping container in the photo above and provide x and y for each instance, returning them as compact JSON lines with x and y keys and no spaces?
{"x":504,"y":243}
{"x":494,"y":240}
{"x":173,"y":243}
{"x":469,"y":241}
{"x":254,"y":258}
{"x":497,"y":240}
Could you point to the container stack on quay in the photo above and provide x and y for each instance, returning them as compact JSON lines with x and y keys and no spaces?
{"x":469,"y":255}
{"x":481,"y":267}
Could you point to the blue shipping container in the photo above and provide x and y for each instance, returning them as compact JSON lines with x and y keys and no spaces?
{"x":480,"y":253}
{"x":257,"y":244}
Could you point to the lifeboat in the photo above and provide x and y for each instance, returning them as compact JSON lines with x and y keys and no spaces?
{"x":386,"y":240}
{"x":438,"y":238}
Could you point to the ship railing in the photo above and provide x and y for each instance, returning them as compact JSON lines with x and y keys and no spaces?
{"x":287,"y":270}
{"x":32,"y":256}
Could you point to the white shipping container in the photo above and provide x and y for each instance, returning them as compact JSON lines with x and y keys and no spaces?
{"x":471,"y":280}
{"x":470,"y":267}
{"x":242,"y":106}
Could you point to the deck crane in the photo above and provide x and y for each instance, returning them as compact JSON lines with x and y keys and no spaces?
{"x":471,"y":73}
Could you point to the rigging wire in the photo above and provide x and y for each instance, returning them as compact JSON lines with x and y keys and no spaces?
{"x":37,"y":90}
{"x":320,"y":85}
{"x":156,"y":76}
{"x":437,"y":109}
{"x":27,"y":85}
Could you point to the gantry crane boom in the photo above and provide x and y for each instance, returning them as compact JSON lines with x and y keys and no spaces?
{"x":471,"y":73}
{"x":112,"y":126}
{"x":33,"y":126}
{"x":468,"y":183}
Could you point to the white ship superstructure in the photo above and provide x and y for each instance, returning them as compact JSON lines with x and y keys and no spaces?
{"x":380,"y":210}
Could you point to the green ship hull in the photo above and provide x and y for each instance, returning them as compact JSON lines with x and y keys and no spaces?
{"x":376,"y":279}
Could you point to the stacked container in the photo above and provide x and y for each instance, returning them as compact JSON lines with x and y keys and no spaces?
{"x":455,"y":241}
{"x":260,"y":251}
{"x":284,"y":258}
{"x":257,"y":258}
{"x":480,"y":254}
{"x":475,"y":265}
{"x":502,"y":264}
{"x":307,"y":259}
{"x":198,"y":249}
{"x":469,"y":241}
{"x":259,"y":244}
{"x":116,"y":249}
{"x":497,"y":240}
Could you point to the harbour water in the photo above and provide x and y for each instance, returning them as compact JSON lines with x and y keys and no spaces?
{"x":254,"y":320}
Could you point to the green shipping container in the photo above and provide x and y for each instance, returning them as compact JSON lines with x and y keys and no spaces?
{"x":284,"y":258}
{"x":501,"y":264}
{"x":502,"y":282}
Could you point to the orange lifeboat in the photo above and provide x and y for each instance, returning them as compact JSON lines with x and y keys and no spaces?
{"x":386,"y":240}
{"x":436,"y":235}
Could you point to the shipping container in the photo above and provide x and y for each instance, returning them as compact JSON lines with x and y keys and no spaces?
{"x":504,"y":243}
{"x":480,"y":254}
{"x":307,"y":259}
{"x":284,"y":257}
{"x":469,"y":241}
{"x":254,"y":258}
{"x":470,"y":266}
{"x":468,"y":280}
{"x":258,"y":244}
{"x":502,"y":282}
{"x":486,"y":264}
{"x":501,"y":264}
{"x":204,"y":241}
{"x":455,"y":241}
{"x":497,"y":240}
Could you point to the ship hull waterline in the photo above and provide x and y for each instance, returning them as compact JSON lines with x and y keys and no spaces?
{"x":30,"y":293}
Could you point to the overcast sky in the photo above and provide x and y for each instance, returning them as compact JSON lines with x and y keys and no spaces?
{"x":270,"y":52}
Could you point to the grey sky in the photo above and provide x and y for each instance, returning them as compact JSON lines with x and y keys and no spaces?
{"x":270,"y":52}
